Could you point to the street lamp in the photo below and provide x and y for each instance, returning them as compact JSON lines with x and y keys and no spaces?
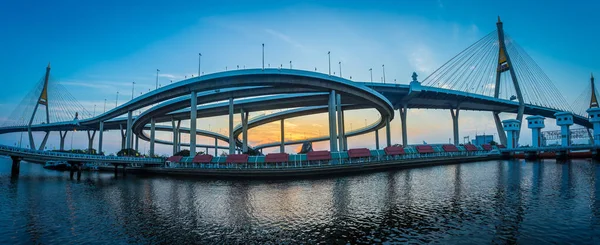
{"x":157,"y":70}
{"x":329,"y":57}
{"x":104,"y":106}
{"x":117,"y":100}
{"x":199,"y":62}
{"x":371,"y":71}
{"x":340,"y":68}
{"x":132,"y":89}
{"x":383,"y":67}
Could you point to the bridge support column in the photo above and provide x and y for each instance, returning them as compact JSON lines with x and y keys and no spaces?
{"x":43,"y":145}
{"x":91,"y":140}
{"x":340,"y":122}
{"x":100,"y":137}
{"x":564,"y":120}
{"x":403,"y":111}
{"x":31,"y":142}
{"x":16,"y":165}
{"x":332,"y":123}
{"x":123,"y":138}
{"x":175,"y":135}
{"x":512,"y":126}
{"x":128,"y":134}
{"x":231,"y":139}
{"x":388,"y":132}
{"x":152,"y":135}
{"x":594,"y":117}
{"x":500,"y":129}
{"x":216,"y":146}
{"x":377,"y":139}
{"x":62,"y":139}
{"x":282,"y":146}
{"x":454,"y":114}
{"x":193,"y":117}
{"x":244,"y":115}
{"x":137,"y":143}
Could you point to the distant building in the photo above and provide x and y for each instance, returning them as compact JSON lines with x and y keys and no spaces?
{"x":482,"y":139}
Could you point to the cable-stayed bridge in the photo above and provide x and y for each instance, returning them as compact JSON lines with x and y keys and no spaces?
{"x":494,"y":74}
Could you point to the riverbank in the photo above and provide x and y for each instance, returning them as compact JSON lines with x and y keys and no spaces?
{"x":292,"y":172}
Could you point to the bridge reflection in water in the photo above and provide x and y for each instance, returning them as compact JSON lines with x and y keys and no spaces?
{"x":499,"y":201}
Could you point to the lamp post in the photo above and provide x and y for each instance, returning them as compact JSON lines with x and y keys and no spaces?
{"x":132,"y":89}
{"x":117,"y":100}
{"x":199,"y":63}
{"x":371,"y":71}
{"x":263,"y":56}
{"x":157,"y":70}
{"x":383,"y":67}
{"x":104,"y":106}
{"x":290,"y":64}
{"x":329,"y":57}
{"x":340,"y":68}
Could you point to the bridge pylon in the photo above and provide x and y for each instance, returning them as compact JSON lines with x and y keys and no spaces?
{"x":42,"y":100}
{"x":504,"y":65}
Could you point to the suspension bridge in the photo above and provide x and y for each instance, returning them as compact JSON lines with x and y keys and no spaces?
{"x":494,"y":75}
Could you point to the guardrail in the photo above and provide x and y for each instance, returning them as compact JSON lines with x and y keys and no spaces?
{"x":552,"y":148}
{"x":74,"y":156}
{"x":311,"y":164}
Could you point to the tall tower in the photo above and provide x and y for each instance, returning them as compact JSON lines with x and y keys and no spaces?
{"x":504,"y":65}
{"x":42,"y":100}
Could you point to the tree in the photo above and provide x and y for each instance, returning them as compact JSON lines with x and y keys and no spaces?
{"x":128,"y":153}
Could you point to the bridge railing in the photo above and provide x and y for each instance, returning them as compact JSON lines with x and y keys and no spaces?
{"x":551,"y":148}
{"x":379,"y":159}
{"x":29,"y":152}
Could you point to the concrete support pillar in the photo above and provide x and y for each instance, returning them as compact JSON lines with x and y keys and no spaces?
{"x":403,"y":111}
{"x":152,"y":135}
{"x":216,"y":146}
{"x":122,"y":136}
{"x":377,"y":139}
{"x":535,"y":123}
{"x":91,"y":140}
{"x":454,"y":114}
{"x":174,"y":126}
{"x":340,"y":122}
{"x":128,"y":134}
{"x":244,"y":117}
{"x":594,"y":117}
{"x":231,"y":139}
{"x":193,"y":117}
{"x":564,"y":120}
{"x":62,"y":139}
{"x":100,"y":137}
{"x":332,"y":123}
{"x":388,"y":132}
{"x":43,"y":144}
{"x":512,"y":126}
{"x":137,"y":143}
{"x":500,"y":129}
{"x":16,"y":165}
{"x":344,"y":132}
{"x":31,"y":142}
{"x":282,"y":146}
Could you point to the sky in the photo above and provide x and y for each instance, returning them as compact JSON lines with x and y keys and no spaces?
{"x":99,"y":48}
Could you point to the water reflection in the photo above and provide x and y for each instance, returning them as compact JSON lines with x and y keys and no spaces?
{"x":497,"y":202}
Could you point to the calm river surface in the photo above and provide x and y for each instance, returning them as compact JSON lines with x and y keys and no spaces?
{"x":474,"y":203}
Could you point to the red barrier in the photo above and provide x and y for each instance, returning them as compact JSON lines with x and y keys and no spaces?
{"x":359,"y":152}
{"x":487,"y":147}
{"x":237,"y":158}
{"x":318,"y":155}
{"x":277,"y":157}
{"x":394,"y":150}
{"x":174,"y":159}
{"x":425,"y":149}
{"x":202,"y":158}
{"x":450,"y":148}
{"x":471,"y":147}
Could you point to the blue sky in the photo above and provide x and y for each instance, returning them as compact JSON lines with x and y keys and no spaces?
{"x":99,"y":48}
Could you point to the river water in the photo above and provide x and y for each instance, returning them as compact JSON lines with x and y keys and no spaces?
{"x":475,"y":203}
